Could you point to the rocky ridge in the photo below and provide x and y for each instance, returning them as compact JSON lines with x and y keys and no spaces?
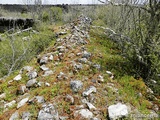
{"x":75,"y":87}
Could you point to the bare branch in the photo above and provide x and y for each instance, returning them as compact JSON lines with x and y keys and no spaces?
{"x":135,"y":4}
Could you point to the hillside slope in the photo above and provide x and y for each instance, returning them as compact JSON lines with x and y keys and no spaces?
{"x":82,"y":76}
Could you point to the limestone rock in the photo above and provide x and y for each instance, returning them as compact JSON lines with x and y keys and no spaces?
{"x":26,"y":68}
{"x":44,"y":68}
{"x":40,"y":99}
{"x":78,"y":66}
{"x":32,"y":74}
{"x":21,"y":89}
{"x":76,"y":85}
{"x":43,"y":60}
{"x":61,"y":76}
{"x":40,"y":84}
{"x":69,"y":99}
{"x":86,"y":55}
{"x":63,"y":118}
{"x":97,"y":66}
{"x":14,"y":116}
{"x":26,"y":116}
{"x":109,"y":72}
{"x":18,"y":77}
{"x":51,"y":58}
{"x":90,"y":106}
{"x":95,"y":118}
{"x":83,"y":113}
{"x":22,"y":102}
{"x":31,"y":83}
{"x":10,"y":104}
{"x":48,"y":112}
{"x":62,"y":33}
{"x":61,"y":49}
{"x":100,"y":78}
{"x":47,"y":84}
{"x":3,"y":95}
{"x":47,"y":73}
{"x":90,"y":90}
{"x":118,"y":111}
{"x":83,"y":60}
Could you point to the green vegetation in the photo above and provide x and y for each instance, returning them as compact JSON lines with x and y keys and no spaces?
{"x":138,"y":37}
{"x":53,"y":14}
{"x":19,"y":49}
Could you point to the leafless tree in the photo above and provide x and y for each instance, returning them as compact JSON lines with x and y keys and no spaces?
{"x":139,"y":21}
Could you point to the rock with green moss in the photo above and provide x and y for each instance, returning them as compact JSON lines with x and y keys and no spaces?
{"x":76,"y":85}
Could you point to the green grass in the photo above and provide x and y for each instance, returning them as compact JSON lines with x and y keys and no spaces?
{"x":14,"y":48}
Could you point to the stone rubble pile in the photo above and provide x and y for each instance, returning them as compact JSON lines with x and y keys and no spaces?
{"x":72,"y":50}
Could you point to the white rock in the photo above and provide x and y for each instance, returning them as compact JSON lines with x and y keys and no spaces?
{"x":61,"y":49}
{"x":86,"y":54}
{"x":97,"y":66}
{"x":90,"y":90}
{"x":78,"y":66}
{"x":18,"y":77}
{"x":78,"y":107}
{"x":48,"y":112}
{"x":149,"y":91}
{"x":78,"y":54}
{"x":95,"y":118}
{"x":112,"y":77}
{"x":10,"y":82}
{"x":47,"y":84}
{"x":90,"y":106}
{"x":10,"y":104}
{"x":51,"y":57}
{"x":76,"y":85}
{"x":47,"y":73}
{"x":44,"y":68}
{"x":84,"y":113}
{"x":22,"y":102}
{"x":153,"y":81}
{"x":109,"y":73}
{"x":26,"y":68}
{"x":117,"y":111}
{"x":60,"y":76}
{"x":40,"y":84}
{"x":21,"y":89}
{"x":31,"y":83}
{"x":43,"y":60}
{"x":69,"y":99}
{"x":83,"y":60}
{"x":62,"y":33}
{"x":14,"y":116}
{"x":40,"y":99}
{"x":3,"y":95}
{"x":32,"y":74}
{"x":100,"y":78}
{"x":26,"y":116}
